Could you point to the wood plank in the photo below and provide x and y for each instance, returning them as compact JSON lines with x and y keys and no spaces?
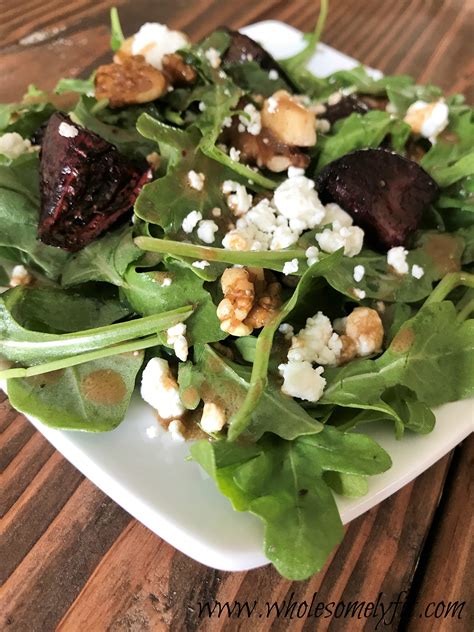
{"x":142,"y":581}
{"x":51,"y":575}
{"x":446,"y":580}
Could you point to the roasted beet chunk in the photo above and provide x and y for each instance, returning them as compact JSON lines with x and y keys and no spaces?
{"x":383,"y":192}
{"x":86,"y":185}
{"x":243,"y":48}
{"x":345,"y":107}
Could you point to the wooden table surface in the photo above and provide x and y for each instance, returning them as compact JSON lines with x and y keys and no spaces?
{"x":73,"y":560}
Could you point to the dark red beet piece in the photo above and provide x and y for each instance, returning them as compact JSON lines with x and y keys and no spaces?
{"x":345,"y":107}
{"x":86,"y":185}
{"x":241,"y":46}
{"x":385,"y":193}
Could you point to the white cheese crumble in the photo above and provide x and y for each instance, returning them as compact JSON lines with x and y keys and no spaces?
{"x":397,"y":258}
{"x":316,"y":342}
{"x":160,"y":389}
{"x":297,"y":200}
{"x":200,"y":264}
{"x":294,"y":172}
{"x":312,"y":255}
{"x":273,"y":74}
{"x":290,"y":267}
{"x":216,"y":212}
{"x":272,"y":105}
{"x":12,"y":145}
{"x":176,"y":430}
{"x":20,"y":276}
{"x":238,"y":199}
{"x":67,"y":130}
{"x":358,"y":274}
{"x":323,"y":125}
{"x":154,"y":41}
{"x":166,"y":282}
{"x":213,"y":417}
{"x":334,"y":213}
{"x":152,"y":431}
{"x":234,"y":154}
{"x":176,"y":338}
{"x":206,"y":231}
{"x":201,"y":106}
{"x":196,"y":180}
{"x":213,"y":57}
{"x":227,"y":122}
{"x":334,"y":98}
{"x":428,"y":119}
{"x":301,"y":380}
{"x":286,"y":330}
{"x":350,"y":238}
{"x":358,"y":293}
{"x":250,"y":120}
{"x":417,"y":271}
{"x":191,"y":221}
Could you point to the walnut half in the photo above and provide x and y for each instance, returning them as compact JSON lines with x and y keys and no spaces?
{"x":250,"y":300}
{"x":131,"y":81}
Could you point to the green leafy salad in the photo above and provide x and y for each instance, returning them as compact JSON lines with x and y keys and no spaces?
{"x":273,"y":259}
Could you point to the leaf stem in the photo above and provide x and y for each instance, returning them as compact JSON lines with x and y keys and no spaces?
{"x":308,"y":51}
{"x":273,"y":260}
{"x":56,"y":365}
{"x":448,"y":284}
{"x":466,"y":311}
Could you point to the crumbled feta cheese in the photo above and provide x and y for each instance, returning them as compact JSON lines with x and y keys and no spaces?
{"x":397,"y":258}
{"x":68,"y":131}
{"x":160,"y":390}
{"x":166,"y":282}
{"x":296,"y":199}
{"x":334,"y":213}
{"x":350,"y":238}
{"x":273,"y":74}
{"x":238,"y":198}
{"x":365,"y":328}
{"x":323,"y":125}
{"x":12,"y":145}
{"x":213,"y":417}
{"x":213,"y":57}
{"x":312,"y":255}
{"x":201,"y":106}
{"x":334,"y":98}
{"x":287,"y":330}
{"x":316,"y":342}
{"x":200,"y":264}
{"x":176,"y":338}
{"x":290,"y":267}
{"x":196,"y":180}
{"x":206,"y":231}
{"x":176,"y":430}
{"x":417,"y":271}
{"x":227,"y":122}
{"x":428,"y":119}
{"x":154,"y":41}
{"x":191,"y":221}
{"x":301,"y":380}
{"x":152,"y":431}
{"x":358,"y":293}
{"x":380,"y":306}
{"x":216,"y":212}
{"x":234,"y":154}
{"x":250,"y":120}
{"x":20,"y":276}
{"x":358,"y":274}
{"x":272,"y":105}
{"x":294,"y":172}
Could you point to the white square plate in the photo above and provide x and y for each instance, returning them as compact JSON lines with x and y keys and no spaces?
{"x":142,"y":469}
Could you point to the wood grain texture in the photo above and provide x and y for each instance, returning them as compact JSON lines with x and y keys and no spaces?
{"x":70,"y":558}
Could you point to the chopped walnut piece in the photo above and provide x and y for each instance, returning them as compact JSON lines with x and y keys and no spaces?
{"x":131,"y":81}
{"x":250,"y":300}
{"x":177,"y":71}
{"x":365,"y":328}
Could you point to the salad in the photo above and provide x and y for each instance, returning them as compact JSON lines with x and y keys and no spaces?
{"x":272,"y":258}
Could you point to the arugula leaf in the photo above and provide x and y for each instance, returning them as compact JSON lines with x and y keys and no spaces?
{"x":432,"y":354}
{"x":292,"y":64}
{"x":360,"y":131}
{"x":146,"y":294}
{"x":283,"y":483}
{"x":448,"y":161}
{"x":19,"y":344}
{"x":73,"y":84}
{"x":19,"y":215}
{"x":93,"y":396}
{"x":252,"y":78}
{"x":227,"y":384}
{"x":51,"y":310}
{"x":105,"y":259}
{"x":26,"y":117}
